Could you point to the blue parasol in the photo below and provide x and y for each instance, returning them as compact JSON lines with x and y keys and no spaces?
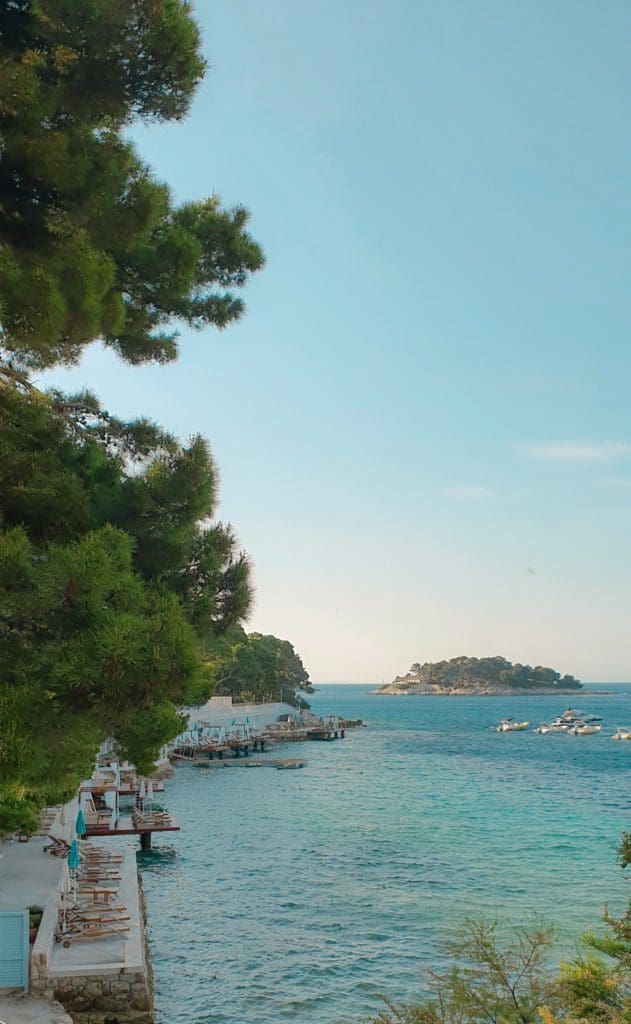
{"x":73,"y":855}
{"x":79,"y":826}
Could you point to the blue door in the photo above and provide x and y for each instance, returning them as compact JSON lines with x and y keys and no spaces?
{"x":14,"y":949}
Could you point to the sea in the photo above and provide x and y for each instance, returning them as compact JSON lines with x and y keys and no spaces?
{"x":307,"y":896}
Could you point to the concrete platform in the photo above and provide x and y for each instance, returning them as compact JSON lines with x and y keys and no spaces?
{"x":28,"y":876}
{"x":103,"y":955}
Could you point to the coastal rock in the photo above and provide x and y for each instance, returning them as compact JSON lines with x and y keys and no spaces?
{"x":26,"y":1009}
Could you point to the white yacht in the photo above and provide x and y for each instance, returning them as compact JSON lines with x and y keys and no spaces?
{"x":578,"y":723}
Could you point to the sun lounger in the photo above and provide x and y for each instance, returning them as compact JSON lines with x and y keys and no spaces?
{"x":92,"y":932}
{"x":98,"y":874}
{"x":57,"y":847}
{"x":82,"y":905}
{"x":77,"y":920}
{"x":97,"y":855}
{"x":98,"y":893}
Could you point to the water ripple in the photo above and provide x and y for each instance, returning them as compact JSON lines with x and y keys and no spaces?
{"x":300,"y":895}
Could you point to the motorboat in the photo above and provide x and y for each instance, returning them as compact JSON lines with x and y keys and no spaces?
{"x":584,"y":729}
{"x":554,"y":726}
{"x":510,"y":725}
{"x":572,"y":716}
{"x":622,"y":734}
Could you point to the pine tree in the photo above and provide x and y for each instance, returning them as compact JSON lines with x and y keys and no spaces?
{"x":108,"y":586}
{"x":91,"y":244}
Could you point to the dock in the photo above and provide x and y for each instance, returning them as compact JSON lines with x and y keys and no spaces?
{"x":326,"y":728}
{"x":188,"y":752}
{"x":137,"y":824}
{"x":271,"y":762}
{"x":326,"y":732}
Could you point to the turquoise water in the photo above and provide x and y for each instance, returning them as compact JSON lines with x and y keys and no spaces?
{"x":296,"y":896}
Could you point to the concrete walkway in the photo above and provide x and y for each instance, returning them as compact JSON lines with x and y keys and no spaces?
{"x":107,"y":955}
{"x":28,"y":876}
{"x":27,"y":1010}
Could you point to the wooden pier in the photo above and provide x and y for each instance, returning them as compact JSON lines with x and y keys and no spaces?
{"x":237,"y":748}
{"x":326,"y":732}
{"x":142,"y":824}
{"x":270,"y":762}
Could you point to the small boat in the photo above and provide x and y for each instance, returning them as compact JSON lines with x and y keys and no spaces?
{"x":577,"y":723}
{"x":584,"y":729}
{"x":622,"y":734}
{"x":510,"y":725}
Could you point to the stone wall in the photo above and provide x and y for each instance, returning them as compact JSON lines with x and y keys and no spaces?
{"x":106,"y":999}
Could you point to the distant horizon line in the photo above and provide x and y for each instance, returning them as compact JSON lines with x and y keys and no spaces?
{"x":375,"y":682}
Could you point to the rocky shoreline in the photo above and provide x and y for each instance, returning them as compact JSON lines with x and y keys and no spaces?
{"x":394,"y":690}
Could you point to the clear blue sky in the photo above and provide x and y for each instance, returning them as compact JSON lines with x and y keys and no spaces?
{"x":423,"y":423}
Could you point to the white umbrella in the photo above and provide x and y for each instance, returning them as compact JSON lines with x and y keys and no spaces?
{"x":141,"y":794}
{"x":65,"y":889}
{"x":64,"y":878}
{"x":150,"y":793}
{"x":62,"y":816}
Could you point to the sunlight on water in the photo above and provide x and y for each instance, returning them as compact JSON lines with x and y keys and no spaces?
{"x":299,"y":895}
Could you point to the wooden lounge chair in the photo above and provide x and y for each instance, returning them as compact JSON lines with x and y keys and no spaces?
{"x":95,"y":931}
{"x":98,"y":874}
{"x":77,"y":919}
{"x":81,"y":905}
{"x":57,"y":847}
{"x":98,"y":892}
{"x":97,"y":855}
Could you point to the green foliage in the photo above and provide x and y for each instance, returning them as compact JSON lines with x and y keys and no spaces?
{"x":479,"y":672}
{"x":624,"y":850}
{"x":596,"y":986}
{"x":507,"y":981}
{"x":257,"y":667}
{"x":91,"y":244}
{"x":492,"y":980}
{"x":104,"y":595}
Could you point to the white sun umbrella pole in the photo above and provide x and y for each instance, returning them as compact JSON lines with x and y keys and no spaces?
{"x":64,"y":892}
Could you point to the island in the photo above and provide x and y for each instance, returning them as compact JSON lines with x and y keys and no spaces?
{"x":483,"y":677}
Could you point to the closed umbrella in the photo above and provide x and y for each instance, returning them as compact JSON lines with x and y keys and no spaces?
{"x":79,"y":826}
{"x":64,"y":878}
{"x":73,"y":863}
{"x":150,"y":793}
{"x":62,"y":816}
{"x":64,"y":889}
{"x":73,"y":855}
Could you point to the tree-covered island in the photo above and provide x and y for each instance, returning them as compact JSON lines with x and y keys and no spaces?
{"x":480,"y":677}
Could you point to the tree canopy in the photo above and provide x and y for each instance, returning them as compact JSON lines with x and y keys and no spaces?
{"x":254,"y":666}
{"x":112,"y":573}
{"x":491,"y":672}
{"x":91,"y":244}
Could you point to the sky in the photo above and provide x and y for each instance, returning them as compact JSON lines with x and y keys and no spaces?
{"x":423,"y":422}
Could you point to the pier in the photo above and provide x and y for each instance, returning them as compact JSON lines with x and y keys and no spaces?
{"x":328,"y":731}
{"x":188,"y":751}
{"x":139,"y":823}
{"x":269,"y":762}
